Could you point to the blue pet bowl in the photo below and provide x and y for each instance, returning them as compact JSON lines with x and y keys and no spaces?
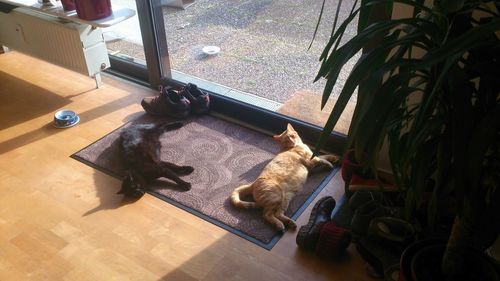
{"x":65,"y":118}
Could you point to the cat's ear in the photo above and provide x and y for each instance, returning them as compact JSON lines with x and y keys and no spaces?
{"x":276,"y":137}
{"x":289,"y":127}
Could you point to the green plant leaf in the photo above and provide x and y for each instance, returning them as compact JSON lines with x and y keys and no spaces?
{"x":335,"y":38}
{"x":375,"y":121}
{"x":332,"y":66}
{"x":419,"y":129}
{"x":321,"y":16}
{"x":409,"y":204}
{"x":482,"y":137}
{"x":456,"y":47}
{"x":450,"y":6}
{"x":422,"y":167}
{"x":424,"y":107}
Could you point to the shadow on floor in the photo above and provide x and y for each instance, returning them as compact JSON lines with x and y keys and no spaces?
{"x":232,"y":258}
{"x":30,"y":98}
{"x":106,"y":188}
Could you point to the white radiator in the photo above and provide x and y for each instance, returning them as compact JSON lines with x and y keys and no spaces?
{"x":76,"y":46}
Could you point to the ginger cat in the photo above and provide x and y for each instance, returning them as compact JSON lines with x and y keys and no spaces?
{"x":281,"y":179}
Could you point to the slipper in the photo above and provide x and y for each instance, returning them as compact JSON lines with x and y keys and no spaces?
{"x":392,"y":232}
{"x":383,"y":260}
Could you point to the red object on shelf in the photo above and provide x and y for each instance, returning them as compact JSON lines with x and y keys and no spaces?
{"x":68,"y":5}
{"x":93,"y":9}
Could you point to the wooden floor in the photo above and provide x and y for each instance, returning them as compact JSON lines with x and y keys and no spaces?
{"x":61,"y":219}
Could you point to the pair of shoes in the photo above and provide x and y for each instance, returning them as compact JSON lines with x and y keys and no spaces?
{"x":321,"y":235}
{"x":177,"y":104}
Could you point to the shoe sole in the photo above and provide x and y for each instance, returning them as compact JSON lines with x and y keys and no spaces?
{"x":301,"y":238}
{"x":182,"y":115}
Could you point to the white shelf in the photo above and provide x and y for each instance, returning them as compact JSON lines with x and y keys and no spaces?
{"x":118,"y":15}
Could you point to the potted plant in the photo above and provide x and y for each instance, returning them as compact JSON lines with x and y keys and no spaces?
{"x":430,"y":89}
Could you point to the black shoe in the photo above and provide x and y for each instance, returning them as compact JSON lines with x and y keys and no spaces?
{"x":200,"y":101}
{"x":168,"y":103}
{"x":308,"y":235}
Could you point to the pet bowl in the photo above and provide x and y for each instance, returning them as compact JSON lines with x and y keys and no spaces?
{"x":210,"y":50}
{"x":65,"y":118}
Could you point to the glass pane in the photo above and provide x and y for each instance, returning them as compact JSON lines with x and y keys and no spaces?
{"x":124,"y":39}
{"x":255,"y":51}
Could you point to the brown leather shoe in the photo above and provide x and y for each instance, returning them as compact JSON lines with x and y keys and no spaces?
{"x":308,"y":235}
{"x":168,"y":103}
{"x":199,"y":100}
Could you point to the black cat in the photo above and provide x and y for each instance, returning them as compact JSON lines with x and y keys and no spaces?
{"x":141,"y":148}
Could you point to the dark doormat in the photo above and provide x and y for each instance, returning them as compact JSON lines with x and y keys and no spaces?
{"x":224,"y":156}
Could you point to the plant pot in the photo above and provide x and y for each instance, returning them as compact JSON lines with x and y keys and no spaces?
{"x":350,"y":166}
{"x":358,"y":176}
{"x":93,"y":9}
{"x":421,"y":261}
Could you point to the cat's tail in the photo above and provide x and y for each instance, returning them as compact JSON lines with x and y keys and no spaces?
{"x":240,"y":191}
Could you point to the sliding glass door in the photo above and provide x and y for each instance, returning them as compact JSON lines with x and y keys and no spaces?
{"x":252,"y":55}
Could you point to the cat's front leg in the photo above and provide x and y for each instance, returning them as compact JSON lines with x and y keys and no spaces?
{"x":184,"y":170}
{"x":168,"y":173}
{"x":318,"y":164}
{"x":180,"y":170}
{"x":330,"y":158}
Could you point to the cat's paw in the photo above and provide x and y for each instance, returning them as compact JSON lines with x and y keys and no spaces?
{"x":322,"y":165}
{"x":327,"y":164}
{"x":185,"y":185}
{"x":186,"y":170}
{"x":332,"y":159}
{"x":291,"y":225}
{"x":280,"y":227}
